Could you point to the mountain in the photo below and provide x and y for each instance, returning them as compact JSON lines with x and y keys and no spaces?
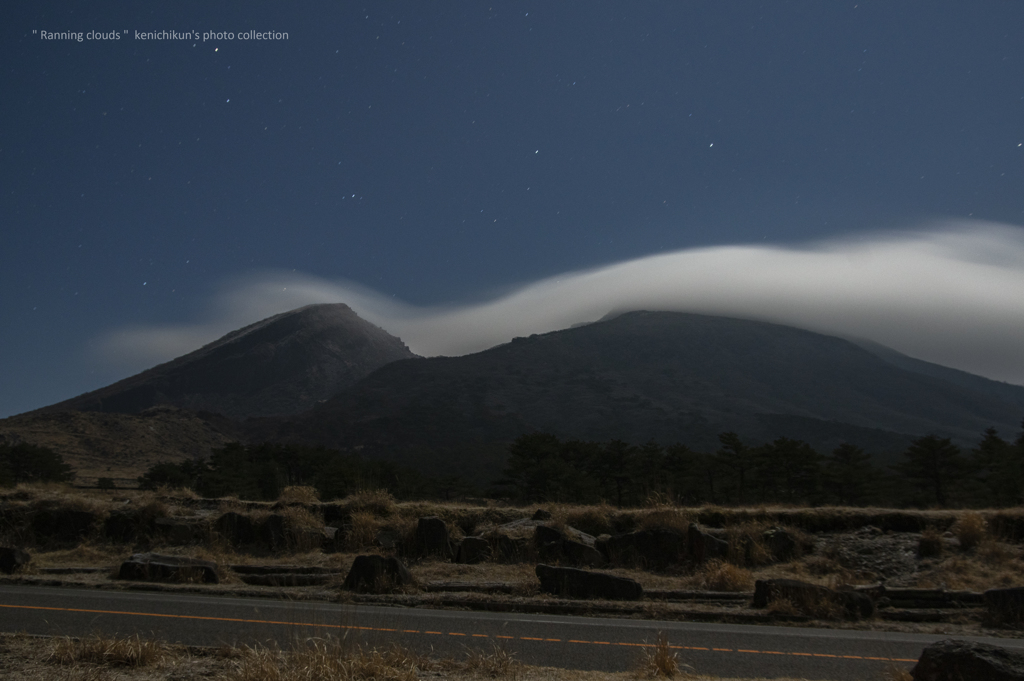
{"x":666,"y":376}
{"x":282,"y":365}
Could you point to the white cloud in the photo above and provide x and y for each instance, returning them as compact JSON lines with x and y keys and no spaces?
{"x":953,"y":294}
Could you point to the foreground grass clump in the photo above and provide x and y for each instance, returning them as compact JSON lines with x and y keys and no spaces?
{"x":658,"y":660}
{"x":98,"y":649}
{"x":325,"y":660}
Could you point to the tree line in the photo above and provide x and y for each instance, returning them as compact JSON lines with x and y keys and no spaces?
{"x":932,"y":471}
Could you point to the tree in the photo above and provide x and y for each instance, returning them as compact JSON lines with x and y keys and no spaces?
{"x":29,"y":463}
{"x":536,"y":469}
{"x":849,"y":474}
{"x":787,"y":470}
{"x":734,"y":462}
{"x":933,"y":464}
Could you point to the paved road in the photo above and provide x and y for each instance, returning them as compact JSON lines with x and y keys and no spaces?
{"x":572,"y":642}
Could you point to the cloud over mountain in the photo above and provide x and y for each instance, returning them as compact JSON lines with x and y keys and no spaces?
{"x":951,"y":294}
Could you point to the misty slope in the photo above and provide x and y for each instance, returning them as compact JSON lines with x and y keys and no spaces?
{"x":666,"y":376}
{"x":282,"y":365}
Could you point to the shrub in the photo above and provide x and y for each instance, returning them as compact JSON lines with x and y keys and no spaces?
{"x":299,"y":494}
{"x":378,"y":502}
{"x":970,"y":530}
{"x":718,"y":575}
{"x":362,"y":531}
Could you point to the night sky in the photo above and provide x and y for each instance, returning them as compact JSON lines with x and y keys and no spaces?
{"x":444,"y":154}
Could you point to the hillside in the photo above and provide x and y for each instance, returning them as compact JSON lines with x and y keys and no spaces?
{"x":285,"y":364}
{"x":670,"y":377}
{"x":120,"y":446}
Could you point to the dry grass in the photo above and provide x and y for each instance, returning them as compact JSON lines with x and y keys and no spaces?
{"x":298,"y":494}
{"x":658,"y":660}
{"x":747,"y":546}
{"x":719,"y":575}
{"x":665,"y":519}
{"x":323,"y":660}
{"x":970,"y":530}
{"x":498,"y":663}
{"x":362,"y":531}
{"x":594,"y":520}
{"x":131,"y":651}
{"x":379,"y":502}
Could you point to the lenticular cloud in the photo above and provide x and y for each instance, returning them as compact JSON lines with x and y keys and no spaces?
{"x":953,"y":294}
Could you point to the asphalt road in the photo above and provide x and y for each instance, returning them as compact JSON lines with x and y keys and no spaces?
{"x":570,"y":642}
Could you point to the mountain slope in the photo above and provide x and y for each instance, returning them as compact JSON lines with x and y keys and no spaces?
{"x":670,"y":377}
{"x":282,"y":365}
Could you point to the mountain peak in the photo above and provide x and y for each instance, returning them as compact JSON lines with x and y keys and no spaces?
{"x":281,"y":365}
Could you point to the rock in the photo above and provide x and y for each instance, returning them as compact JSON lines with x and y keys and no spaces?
{"x":702,"y":547}
{"x":473,"y":550}
{"x":554,"y":546}
{"x":782,"y":544}
{"x":154,"y":567}
{"x":954,"y":660}
{"x":431,"y":539}
{"x":1005,"y":606}
{"x":655,"y":549}
{"x":541,"y":514}
{"x":377,"y":574}
{"x":334,"y":540}
{"x":575,"y":583}
{"x":12,"y":559}
{"x":813,"y":599}
{"x":238,"y":529}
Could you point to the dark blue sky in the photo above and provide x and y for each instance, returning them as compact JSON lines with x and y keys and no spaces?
{"x":441,"y":152}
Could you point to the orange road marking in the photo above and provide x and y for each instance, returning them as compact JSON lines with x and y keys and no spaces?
{"x":436,"y":633}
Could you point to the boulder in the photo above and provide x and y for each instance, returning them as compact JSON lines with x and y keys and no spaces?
{"x":656,"y":549}
{"x":782,"y":544}
{"x":12,"y":559}
{"x":555,"y":546}
{"x":154,"y":567}
{"x":541,"y":514}
{"x":1005,"y":606}
{"x":575,"y":583}
{"x":238,"y":529}
{"x":334,"y":540}
{"x":377,"y":574}
{"x":473,"y":550}
{"x":813,"y":599}
{"x":702,"y":546}
{"x":954,"y":660}
{"x":431,"y":539}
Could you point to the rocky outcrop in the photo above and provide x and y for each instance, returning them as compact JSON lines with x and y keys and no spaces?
{"x":955,"y":660}
{"x":431,"y":539}
{"x":575,"y":583}
{"x":238,"y":529}
{"x":556,"y":546}
{"x":377,"y":574}
{"x":154,"y":567}
{"x":655,"y":549}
